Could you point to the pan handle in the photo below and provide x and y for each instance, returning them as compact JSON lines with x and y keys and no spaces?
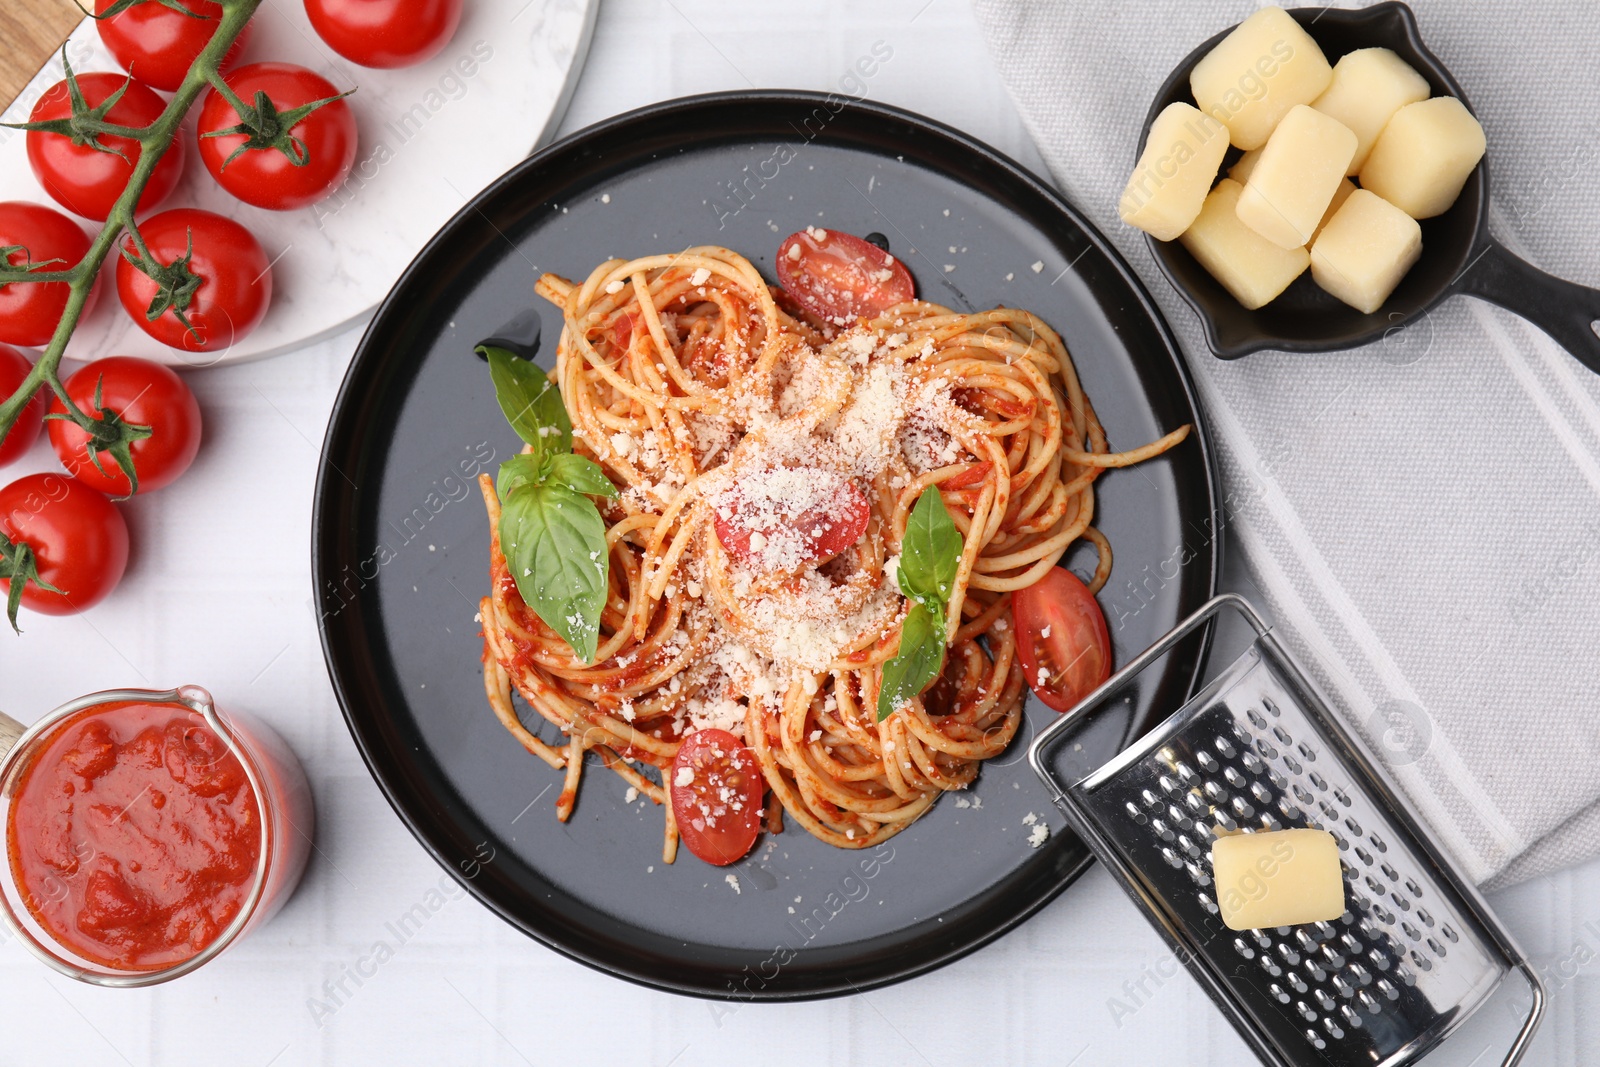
{"x":1564,"y":310}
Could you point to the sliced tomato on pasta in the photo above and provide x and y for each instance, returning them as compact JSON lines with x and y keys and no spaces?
{"x":769,"y":536}
{"x":716,"y":796}
{"x":1062,"y":641}
{"x":839,"y":277}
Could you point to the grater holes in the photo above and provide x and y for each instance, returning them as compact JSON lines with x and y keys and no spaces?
{"x":1384,"y":915}
{"x":1405,"y":976}
{"x":1269,"y":966}
{"x":1351,"y":942}
{"x":1137,"y":814}
{"x":1425,"y":917}
{"x":1234,"y":778}
{"x":1350,"y":1015}
{"x":1307,"y":753}
{"x":1292,"y":763}
{"x":1399,"y":901}
{"x":1389,"y":872}
{"x":1332,"y":955}
{"x":1172,"y":858}
{"x":1255,"y":718}
{"x":1342,"y":986}
{"x":1162,"y":830}
{"x":1279,"y":782}
{"x":1290,"y":956}
{"x":1299,"y":983}
{"x":1168,"y":786}
{"x":1186,"y":773}
{"x":1316,"y":1040}
{"x":1342,"y":797}
{"x":1282,"y":735}
{"x":1364,"y":856}
{"x":1289,"y":810}
{"x":1207,"y":761}
{"x":1355,"y":828}
{"x":1388,"y":990}
{"x":1150,"y":799}
{"x":1422,"y":962}
{"x":1272,"y":709}
{"x":1198,"y":876}
{"x":1436,"y":948}
{"x":1215,"y":792}
{"x":1188,"y":846}
{"x":1317,"y":971}
{"x":1449,"y":934}
{"x":1305,"y":1012}
{"x":1279,"y":994}
{"x":1415,"y":890}
{"x":1317,"y":780}
{"x":1194,"y":803}
{"x":1335,"y":1031}
{"x":1225,"y":822}
{"x":1303,"y":795}
{"x":1324,"y":1000}
{"x":1308,"y":944}
{"x":1207,"y":903}
{"x":1264,"y":747}
{"x":1378,"y":843}
{"x":1329,"y":811}
{"x":1252,"y":763}
{"x":1260,"y":792}
{"x":1379,"y":959}
{"x":1224,"y":746}
{"x":1179,"y":819}
{"x":1247,"y":952}
{"x":1242,"y":809}
{"x":1369,"y":1002}
{"x":1361,"y":975}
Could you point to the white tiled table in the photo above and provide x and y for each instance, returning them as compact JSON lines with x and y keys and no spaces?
{"x":218,"y":593}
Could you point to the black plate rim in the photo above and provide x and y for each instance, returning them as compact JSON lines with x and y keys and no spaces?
{"x":324,"y":506}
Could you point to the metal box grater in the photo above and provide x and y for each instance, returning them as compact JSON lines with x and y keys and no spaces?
{"x":1417,"y":950}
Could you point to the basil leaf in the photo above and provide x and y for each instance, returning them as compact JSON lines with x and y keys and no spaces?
{"x":930,"y":554}
{"x":581,"y":475}
{"x":919,"y":661}
{"x":530,"y":400}
{"x":555,"y":547}
{"x":524,"y":468}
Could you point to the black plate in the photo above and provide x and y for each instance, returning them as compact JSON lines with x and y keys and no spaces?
{"x":1458,"y":253}
{"x":401,"y":543}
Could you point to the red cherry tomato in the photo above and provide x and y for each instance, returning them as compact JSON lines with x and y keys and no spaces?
{"x":1061,"y":639}
{"x":88,"y":182}
{"x":385,"y":33}
{"x":156,"y":44}
{"x":839,"y":277}
{"x":14,"y":367}
{"x":140,"y":392}
{"x":266,"y":177}
{"x":718,"y":806}
{"x":29,"y":311}
{"x":235,"y":279}
{"x":78,"y":537}
{"x":831,"y":522}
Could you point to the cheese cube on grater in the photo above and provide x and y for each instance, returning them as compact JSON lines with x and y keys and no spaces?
{"x":1417,"y":949}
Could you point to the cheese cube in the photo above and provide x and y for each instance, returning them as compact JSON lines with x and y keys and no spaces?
{"x":1340,"y":195}
{"x":1251,"y":79}
{"x":1170,"y":182}
{"x":1364,"y":250}
{"x":1369,"y":85}
{"x":1240,"y":171}
{"x":1248,"y":265}
{"x":1293,"y":183}
{"x":1424,"y":156}
{"x":1277,"y":878}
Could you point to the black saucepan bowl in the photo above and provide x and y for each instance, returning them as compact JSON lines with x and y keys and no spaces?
{"x":1458,"y":254}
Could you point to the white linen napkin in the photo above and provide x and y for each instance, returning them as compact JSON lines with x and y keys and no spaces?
{"x":1423,"y":514}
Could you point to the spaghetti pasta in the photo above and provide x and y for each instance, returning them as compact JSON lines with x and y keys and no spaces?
{"x":704,"y":399}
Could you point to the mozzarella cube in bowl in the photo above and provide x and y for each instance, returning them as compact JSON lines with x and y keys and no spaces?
{"x":1174,"y":173}
{"x":1369,"y":85}
{"x":1251,"y":79}
{"x":1248,"y":265}
{"x":1424,"y":156}
{"x":1364,"y":250}
{"x":1340,"y":195}
{"x":1293,"y":182}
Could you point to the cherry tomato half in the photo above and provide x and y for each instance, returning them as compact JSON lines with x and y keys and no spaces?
{"x":1062,"y":640}
{"x":718,"y":806}
{"x":140,"y":392}
{"x":839,"y":277}
{"x":831,"y":522}
{"x":14,"y":367}
{"x":235,"y":279}
{"x":266,"y":177}
{"x":385,"y":33}
{"x":156,"y":44}
{"x":88,"y":182}
{"x":78,"y":537}
{"x":30,"y":311}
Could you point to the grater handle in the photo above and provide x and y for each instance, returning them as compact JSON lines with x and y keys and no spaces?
{"x":1130,"y":670}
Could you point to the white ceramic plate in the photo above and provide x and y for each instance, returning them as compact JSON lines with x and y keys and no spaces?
{"x":431,"y":136}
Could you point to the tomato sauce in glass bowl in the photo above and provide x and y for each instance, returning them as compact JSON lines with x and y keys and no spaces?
{"x":145,"y":832}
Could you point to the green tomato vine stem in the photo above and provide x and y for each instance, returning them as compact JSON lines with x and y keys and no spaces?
{"x":154,"y":140}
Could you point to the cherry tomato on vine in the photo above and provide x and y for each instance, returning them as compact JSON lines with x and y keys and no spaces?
{"x":14,"y":368}
{"x":210,"y":270}
{"x":260,"y":168}
{"x":718,"y":805}
{"x":1062,"y":640}
{"x":67,"y":534}
{"x":86,"y":180}
{"x":385,"y":33}
{"x":135,"y":391}
{"x":839,"y":277}
{"x":157,"y":44}
{"x":29,"y":311}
